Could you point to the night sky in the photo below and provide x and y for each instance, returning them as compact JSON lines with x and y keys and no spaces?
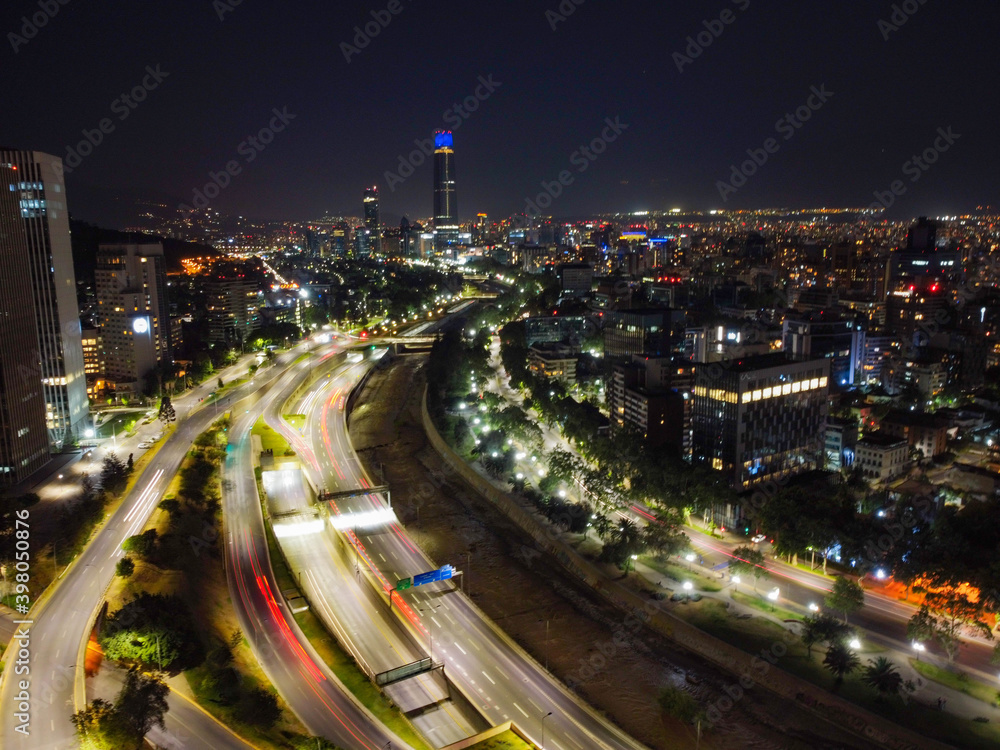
{"x":354,"y":120}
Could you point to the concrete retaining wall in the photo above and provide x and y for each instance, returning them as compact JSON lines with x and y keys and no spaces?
{"x":748,"y":671}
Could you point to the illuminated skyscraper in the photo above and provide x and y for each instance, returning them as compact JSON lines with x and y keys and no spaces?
{"x":445,"y":198}
{"x":24,"y":439}
{"x":372,"y":221}
{"x":58,"y":351}
{"x":131,"y":283}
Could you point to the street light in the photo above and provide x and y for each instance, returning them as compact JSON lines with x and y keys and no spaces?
{"x":813,"y":607}
{"x":736,"y":581}
{"x":855,"y":644}
{"x":690,"y":558}
{"x":919,"y":648}
{"x":543,"y":728}
{"x":773,"y":596}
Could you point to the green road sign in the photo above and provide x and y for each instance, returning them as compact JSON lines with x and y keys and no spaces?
{"x":404,"y":584}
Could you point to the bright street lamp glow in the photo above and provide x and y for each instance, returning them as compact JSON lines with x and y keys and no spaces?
{"x":773,"y":595}
{"x":689,"y":557}
{"x":688,"y":585}
{"x":737,"y":579}
{"x":855,"y":643}
{"x":813,"y":607}
{"x":917,"y":646}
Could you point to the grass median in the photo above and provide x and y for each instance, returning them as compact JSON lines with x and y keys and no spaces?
{"x":338,"y":660}
{"x":959,"y":681}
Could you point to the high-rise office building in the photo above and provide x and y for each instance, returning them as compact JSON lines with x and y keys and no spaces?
{"x":821,"y":334}
{"x":131,"y":284}
{"x":233,"y":303}
{"x":36,"y":181}
{"x":446,"y":227}
{"x":372,"y":221}
{"x":24,"y":439}
{"x":760,"y":418}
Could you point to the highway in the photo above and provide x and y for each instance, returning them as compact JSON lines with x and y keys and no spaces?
{"x":501,"y":680}
{"x":60,"y":626}
{"x":314,"y":694}
{"x":348,"y":606}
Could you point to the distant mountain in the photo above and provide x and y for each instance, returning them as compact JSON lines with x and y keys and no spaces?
{"x":87,"y":238}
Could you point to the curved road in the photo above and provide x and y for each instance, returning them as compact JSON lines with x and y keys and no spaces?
{"x":58,"y":628}
{"x":499,"y":678}
{"x":314,"y":694}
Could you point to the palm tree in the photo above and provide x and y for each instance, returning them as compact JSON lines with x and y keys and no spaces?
{"x":882,"y":675}
{"x":841,"y":661}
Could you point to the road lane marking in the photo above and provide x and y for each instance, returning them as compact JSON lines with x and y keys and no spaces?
{"x":522,"y":711}
{"x":488,"y":677}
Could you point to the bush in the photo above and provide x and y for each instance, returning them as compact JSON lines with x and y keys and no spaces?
{"x":222,"y":686}
{"x":125,"y":567}
{"x":170,"y":505}
{"x":679,"y":704}
{"x":220,"y":656}
{"x":258,"y":708}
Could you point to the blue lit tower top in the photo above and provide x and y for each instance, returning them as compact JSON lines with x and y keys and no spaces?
{"x":445,"y":200}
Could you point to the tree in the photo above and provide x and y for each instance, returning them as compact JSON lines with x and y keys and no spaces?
{"x":664,"y":539}
{"x":841,"y":661}
{"x":847,"y":596}
{"x":748,"y":561}
{"x":941,"y":618}
{"x":220,"y":384}
{"x":603,"y":525}
{"x":99,"y":727}
{"x":259,"y":708}
{"x":114,"y":474}
{"x":823,"y":629}
{"x":882,"y":675}
{"x":167,"y":413}
{"x":626,"y":541}
{"x":141,"y":544}
{"x":125,"y":567}
{"x":152,"y":630}
{"x":141,"y":704}
{"x":995,"y":657}
{"x":130,"y":465}
{"x":172,"y":506}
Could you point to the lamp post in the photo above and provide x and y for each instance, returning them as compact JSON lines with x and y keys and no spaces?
{"x":773,"y":596}
{"x":543,"y":728}
{"x":736,"y":583}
